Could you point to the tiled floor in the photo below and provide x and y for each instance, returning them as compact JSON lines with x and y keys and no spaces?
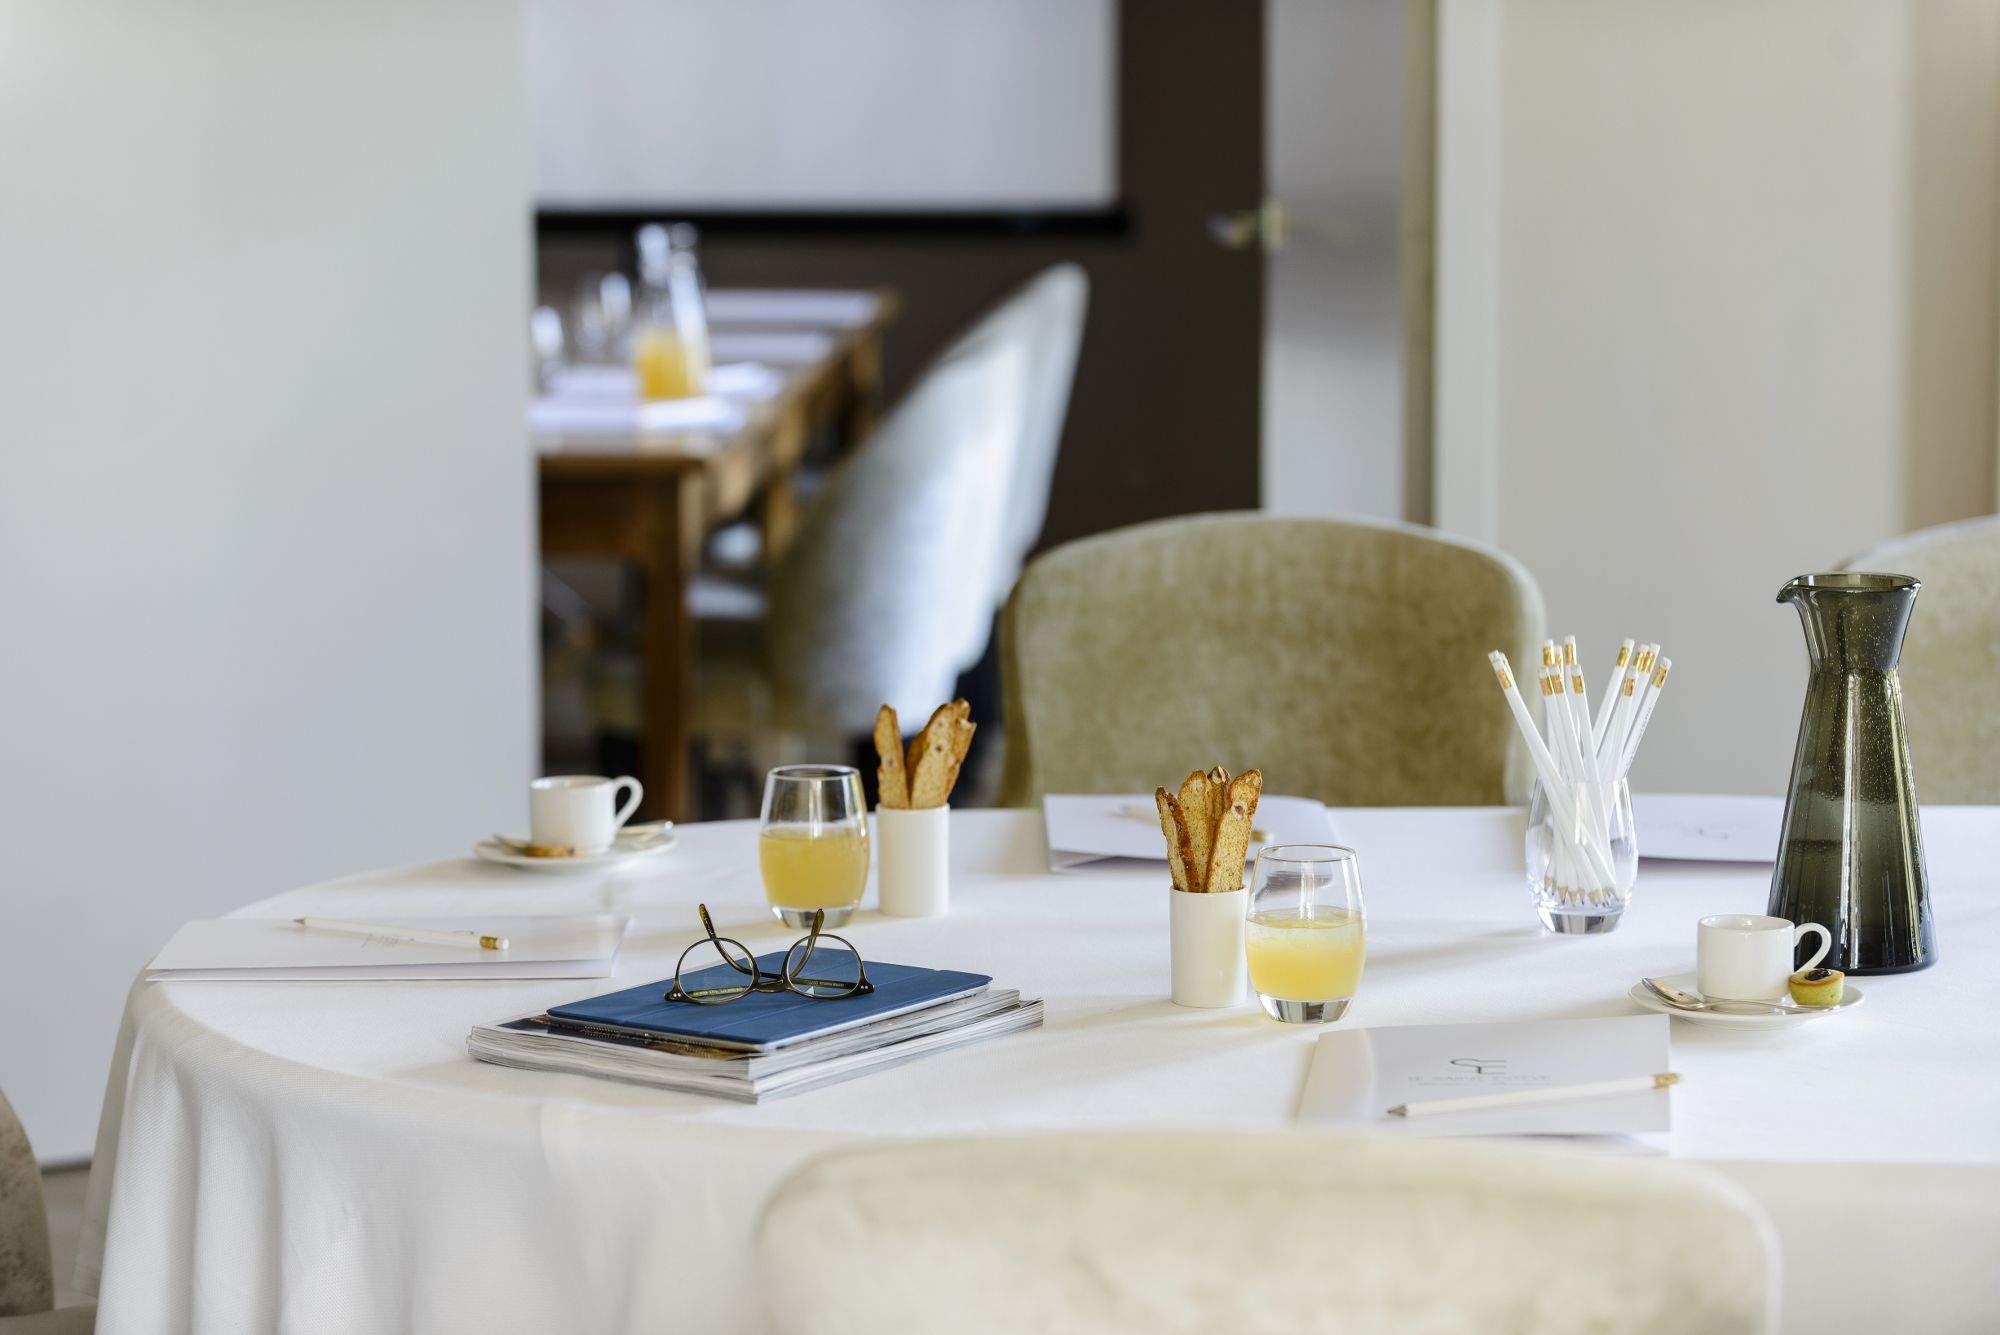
{"x":62,"y":1192}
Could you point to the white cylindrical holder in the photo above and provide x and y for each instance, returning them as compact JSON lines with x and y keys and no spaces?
{"x":913,"y":861}
{"x":1208,"y":968}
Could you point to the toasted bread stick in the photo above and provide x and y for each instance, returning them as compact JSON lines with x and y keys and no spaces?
{"x":891,"y":777}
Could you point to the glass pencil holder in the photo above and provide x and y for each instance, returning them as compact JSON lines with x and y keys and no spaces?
{"x":1582,"y":856}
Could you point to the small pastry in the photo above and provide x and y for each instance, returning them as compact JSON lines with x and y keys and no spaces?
{"x":1817,"y":987}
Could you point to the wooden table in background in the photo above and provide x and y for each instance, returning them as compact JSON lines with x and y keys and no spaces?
{"x":653,"y":499}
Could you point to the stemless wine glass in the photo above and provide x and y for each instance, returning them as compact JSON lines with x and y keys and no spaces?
{"x":1306,"y":935}
{"x":813,"y":844}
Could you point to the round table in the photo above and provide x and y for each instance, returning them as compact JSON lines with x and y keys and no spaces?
{"x":324,"y":1155}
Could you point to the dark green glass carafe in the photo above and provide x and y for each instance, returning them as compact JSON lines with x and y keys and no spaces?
{"x":1852,"y":855}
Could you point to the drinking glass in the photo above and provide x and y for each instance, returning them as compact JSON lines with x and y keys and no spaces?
{"x":1580,"y":873}
{"x":1306,"y":936}
{"x":813,"y":844}
{"x":601,"y":315}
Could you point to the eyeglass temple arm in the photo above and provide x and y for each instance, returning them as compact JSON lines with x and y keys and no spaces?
{"x":708,"y":925}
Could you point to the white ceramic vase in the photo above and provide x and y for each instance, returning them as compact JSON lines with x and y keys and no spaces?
{"x":913,"y":861}
{"x":1207,"y":946}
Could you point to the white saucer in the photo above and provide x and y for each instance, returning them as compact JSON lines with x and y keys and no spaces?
{"x":635,"y":843}
{"x":1793,"y":1014}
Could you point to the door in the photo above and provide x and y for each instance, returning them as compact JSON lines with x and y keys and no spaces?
{"x":1344,"y":393}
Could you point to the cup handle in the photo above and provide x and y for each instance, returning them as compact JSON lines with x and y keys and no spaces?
{"x":632,"y":803}
{"x":1825,"y":942}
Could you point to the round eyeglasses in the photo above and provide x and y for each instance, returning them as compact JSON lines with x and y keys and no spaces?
{"x":720,"y":969}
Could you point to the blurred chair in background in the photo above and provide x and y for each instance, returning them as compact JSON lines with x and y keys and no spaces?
{"x":1951,"y":656}
{"x":890,"y":591}
{"x":1133,"y":1234}
{"x":27,"y":1289}
{"x":885,"y":595}
{"x":1347,"y":660}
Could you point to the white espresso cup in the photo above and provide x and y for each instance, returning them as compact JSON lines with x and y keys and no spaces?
{"x":579,"y":811}
{"x":1748,"y":956}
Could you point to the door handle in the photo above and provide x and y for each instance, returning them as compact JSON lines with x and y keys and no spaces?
{"x":1264,"y":228}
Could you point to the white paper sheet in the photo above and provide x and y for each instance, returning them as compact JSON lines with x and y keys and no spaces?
{"x":812,"y":308}
{"x":279,"y":950}
{"x":1357,"y":1075}
{"x":1708,"y":827}
{"x":1105,"y":830}
{"x":613,"y":417}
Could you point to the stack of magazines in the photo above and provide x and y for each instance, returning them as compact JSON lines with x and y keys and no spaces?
{"x":762,"y":1045}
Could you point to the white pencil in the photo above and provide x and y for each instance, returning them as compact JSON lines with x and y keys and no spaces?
{"x":1596,"y":1089}
{"x":425,"y":935}
{"x":1545,"y":764}
{"x":1606,"y":701}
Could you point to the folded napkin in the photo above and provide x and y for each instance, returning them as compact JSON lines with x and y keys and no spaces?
{"x":813,"y":309}
{"x":601,"y":382}
{"x":710,"y":413}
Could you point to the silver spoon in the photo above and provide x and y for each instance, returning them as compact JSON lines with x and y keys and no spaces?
{"x":1688,"y":1001}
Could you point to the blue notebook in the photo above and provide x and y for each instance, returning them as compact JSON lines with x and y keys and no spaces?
{"x":766,"y":1020}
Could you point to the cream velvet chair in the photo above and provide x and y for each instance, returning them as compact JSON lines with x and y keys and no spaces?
{"x":1047,"y":314}
{"x":1951,"y":656}
{"x":884,"y":591}
{"x":27,"y":1289}
{"x":890,"y":590}
{"x":1345,"y":659}
{"x":1229,"y":1233}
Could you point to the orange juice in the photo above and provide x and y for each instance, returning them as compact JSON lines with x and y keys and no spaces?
{"x":806,"y":868}
{"x":1310,"y":958}
{"x":667,"y":367}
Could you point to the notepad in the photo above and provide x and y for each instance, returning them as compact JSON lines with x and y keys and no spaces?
{"x":279,"y":950}
{"x":1107,"y":830}
{"x":764,"y":1021}
{"x":1357,"y":1075}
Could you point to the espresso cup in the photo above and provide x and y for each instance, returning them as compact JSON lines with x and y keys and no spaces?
{"x":579,"y":811}
{"x":1748,"y":956}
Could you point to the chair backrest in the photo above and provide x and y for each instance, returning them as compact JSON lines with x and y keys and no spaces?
{"x":1045,"y":315}
{"x":886,"y":584}
{"x":26,"y":1284}
{"x":1951,"y":656}
{"x":1345,"y":659}
{"x":1144,"y":1233}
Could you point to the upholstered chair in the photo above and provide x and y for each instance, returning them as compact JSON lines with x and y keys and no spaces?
{"x":1141,"y":1233}
{"x":889,"y":591}
{"x":1046,"y":314}
{"x":27,"y":1289}
{"x":1346,"y":659}
{"x":1951,"y":656}
{"x":884,"y":591}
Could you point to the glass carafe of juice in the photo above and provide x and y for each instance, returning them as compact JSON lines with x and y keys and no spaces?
{"x":670,"y":330}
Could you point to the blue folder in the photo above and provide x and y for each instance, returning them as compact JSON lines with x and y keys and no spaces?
{"x":765,"y":1020}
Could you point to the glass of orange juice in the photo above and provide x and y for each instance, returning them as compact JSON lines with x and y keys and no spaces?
{"x":1306,"y":936}
{"x":813,"y":844}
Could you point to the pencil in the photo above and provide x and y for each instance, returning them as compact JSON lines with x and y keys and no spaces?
{"x":1515,"y":1098}
{"x":427,"y":936}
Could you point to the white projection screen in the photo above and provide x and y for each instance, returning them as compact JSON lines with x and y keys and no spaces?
{"x":813,"y":105}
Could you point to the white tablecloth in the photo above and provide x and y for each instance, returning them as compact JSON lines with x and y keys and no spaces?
{"x":324,"y":1156}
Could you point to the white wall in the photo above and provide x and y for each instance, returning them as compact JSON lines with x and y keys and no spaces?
{"x":871,"y":104}
{"x":1332,"y":434}
{"x":1716,"y":307}
{"x":265,"y":509}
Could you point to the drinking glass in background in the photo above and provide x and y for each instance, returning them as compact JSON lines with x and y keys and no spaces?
{"x":1306,"y":936}
{"x":545,"y":342}
{"x":813,"y":844}
{"x":601,"y":316}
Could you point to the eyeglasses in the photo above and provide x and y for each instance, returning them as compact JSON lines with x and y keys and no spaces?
{"x":835,"y":978}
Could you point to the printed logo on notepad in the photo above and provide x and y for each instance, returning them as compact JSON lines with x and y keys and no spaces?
{"x":1482,"y":1065}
